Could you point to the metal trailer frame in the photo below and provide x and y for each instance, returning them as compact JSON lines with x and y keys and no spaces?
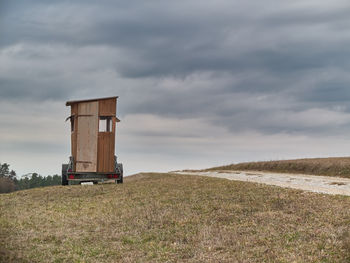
{"x":68,"y":176}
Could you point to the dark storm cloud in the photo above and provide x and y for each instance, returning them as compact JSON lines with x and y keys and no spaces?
{"x":19,"y":89}
{"x":262,"y":62}
{"x":329,"y":92}
{"x":163,"y":41}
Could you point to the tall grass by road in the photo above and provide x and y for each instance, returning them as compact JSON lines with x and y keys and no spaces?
{"x":337,"y":166}
{"x":173,"y":218}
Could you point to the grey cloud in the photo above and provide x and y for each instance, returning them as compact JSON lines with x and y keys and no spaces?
{"x":162,"y":41}
{"x":19,"y":89}
{"x":330,"y":92}
{"x":257,"y":60}
{"x":204,"y":74}
{"x":33,"y":147}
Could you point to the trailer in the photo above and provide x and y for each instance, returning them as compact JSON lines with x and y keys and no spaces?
{"x":93,"y":126}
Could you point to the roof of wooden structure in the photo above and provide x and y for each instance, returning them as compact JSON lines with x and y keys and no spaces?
{"x":69,"y":103}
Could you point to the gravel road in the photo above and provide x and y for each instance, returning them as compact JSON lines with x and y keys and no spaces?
{"x":313,"y":183}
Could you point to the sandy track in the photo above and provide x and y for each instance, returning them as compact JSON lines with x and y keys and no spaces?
{"x":320,"y":184}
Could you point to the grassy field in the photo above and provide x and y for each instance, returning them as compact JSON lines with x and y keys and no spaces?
{"x":337,"y":166}
{"x":173,"y":218}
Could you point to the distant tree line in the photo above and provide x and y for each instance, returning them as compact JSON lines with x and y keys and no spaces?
{"x":9,"y":182}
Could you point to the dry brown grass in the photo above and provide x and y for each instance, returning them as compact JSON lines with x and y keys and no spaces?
{"x":173,"y":218}
{"x":337,"y":166}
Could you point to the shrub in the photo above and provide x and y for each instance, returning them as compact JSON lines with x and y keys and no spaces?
{"x":6,"y":185}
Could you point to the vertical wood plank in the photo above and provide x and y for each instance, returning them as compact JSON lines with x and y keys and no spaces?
{"x":87,"y":136}
{"x":74,"y":113}
{"x":106,"y":140}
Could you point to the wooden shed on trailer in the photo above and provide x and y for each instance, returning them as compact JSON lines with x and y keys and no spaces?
{"x":93,"y":126}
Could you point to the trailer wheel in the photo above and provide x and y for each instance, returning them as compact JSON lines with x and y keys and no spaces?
{"x":120,"y":170}
{"x":64,"y":179}
{"x":120,"y":181}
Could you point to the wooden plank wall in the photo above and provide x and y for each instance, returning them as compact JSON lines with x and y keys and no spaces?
{"x":86,"y":160}
{"x":107,"y":107}
{"x":74,"y":113}
{"x":105,"y":152}
{"x":106,"y":140}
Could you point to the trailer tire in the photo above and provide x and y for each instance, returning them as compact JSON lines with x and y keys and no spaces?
{"x":120,"y":181}
{"x":120,"y":170}
{"x":64,"y":179}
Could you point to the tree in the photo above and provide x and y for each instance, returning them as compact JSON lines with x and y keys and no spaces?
{"x":32,"y":180}
{"x":5,"y":171}
{"x":23,"y":183}
{"x":7,"y":179}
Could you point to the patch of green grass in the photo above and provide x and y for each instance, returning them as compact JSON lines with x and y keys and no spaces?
{"x":173,"y":218}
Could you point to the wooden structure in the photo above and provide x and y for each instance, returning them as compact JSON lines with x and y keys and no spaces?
{"x":93,"y":125}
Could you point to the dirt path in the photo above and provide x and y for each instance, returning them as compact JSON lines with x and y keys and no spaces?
{"x":320,"y":184}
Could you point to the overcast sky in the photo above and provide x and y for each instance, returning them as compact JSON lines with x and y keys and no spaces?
{"x":201,"y":83}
